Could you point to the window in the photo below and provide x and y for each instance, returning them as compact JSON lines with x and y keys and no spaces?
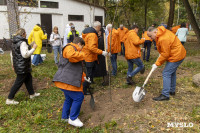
{"x":3,"y":2}
{"x":75,"y":18}
{"x":48,"y":4}
{"x":29,"y":3}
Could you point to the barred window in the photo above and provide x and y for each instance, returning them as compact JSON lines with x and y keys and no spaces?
{"x":29,"y":3}
{"x":75,"y":18}
{"x":3,"y":2}
{"x":48,"y":4}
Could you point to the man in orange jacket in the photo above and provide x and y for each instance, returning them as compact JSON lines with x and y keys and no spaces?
{"x":69,"y":78}
{"x":115,"y":48}
{"x":172,"y":51}
{"x":90,"y":36}
{"x":122,"y":31}
{"x":133,"y":52}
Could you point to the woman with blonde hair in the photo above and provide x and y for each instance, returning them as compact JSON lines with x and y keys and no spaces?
{"x":56,"y":43}
{"x":21,"y":62}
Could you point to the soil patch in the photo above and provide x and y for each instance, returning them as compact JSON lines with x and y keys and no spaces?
{"x":37,"y":84}
{"x":107,"y":110}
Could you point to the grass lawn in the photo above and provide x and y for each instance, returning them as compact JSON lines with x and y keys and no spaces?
{"x":115,"y":110}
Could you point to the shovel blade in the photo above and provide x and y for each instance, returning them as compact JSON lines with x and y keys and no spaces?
{"x":138,"y":94}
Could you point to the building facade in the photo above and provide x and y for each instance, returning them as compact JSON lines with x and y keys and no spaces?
{"x":52,"y":13}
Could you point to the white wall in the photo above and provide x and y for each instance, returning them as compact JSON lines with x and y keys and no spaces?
{"x":59,"y":16}
{"x":28,"y":21}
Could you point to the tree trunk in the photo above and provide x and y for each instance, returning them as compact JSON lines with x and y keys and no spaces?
{"x":145,"y":14}
{"x":13,"y":16}
{"x":171,"y":14}
{"x":192,"y":19}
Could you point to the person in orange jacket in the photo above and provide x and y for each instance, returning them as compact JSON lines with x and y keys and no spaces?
{"x":172,"y":51}
{"x":69,"y":78}
{"x":147,"y":45}
{"x":122,"y":31}
{"x":133,"y":53}
{"x":90,"y":36}
{"x":175,"y":28}
{"x":115,"y":48}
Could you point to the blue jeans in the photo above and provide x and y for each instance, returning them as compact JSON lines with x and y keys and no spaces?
{"x":56,"y":49}
{"x":72,"y":104}
{"x":114,"y":64}
{"x":37,"y":59}
{"x":147,"y":45}
{"x":169,"y":77}
{"x":139,"y":67}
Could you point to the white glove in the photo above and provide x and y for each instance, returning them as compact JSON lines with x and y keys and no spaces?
{"x":154,"y":66}
{"x":87,"y":79}
{"x":105,"y":53}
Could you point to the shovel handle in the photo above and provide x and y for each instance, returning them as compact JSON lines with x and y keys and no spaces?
{"x":145,"y":82}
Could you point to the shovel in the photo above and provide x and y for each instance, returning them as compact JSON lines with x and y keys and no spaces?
{"x":139,"y":92}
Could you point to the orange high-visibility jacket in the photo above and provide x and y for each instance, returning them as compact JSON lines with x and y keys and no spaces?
{"x":144,"y":35}
{"x":122,"y":33}
{"x":175,"y":28}
{"x":132,"y":45}
{"x":91,"y":47}
{"x":73,"y":56}
{"x":115,"y":45}
{"x":169,"y":47}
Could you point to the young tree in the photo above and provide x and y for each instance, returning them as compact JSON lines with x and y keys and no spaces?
{"x":192,"y":19}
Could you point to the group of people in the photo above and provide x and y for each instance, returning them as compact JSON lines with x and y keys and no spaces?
{"x":79,"y":52}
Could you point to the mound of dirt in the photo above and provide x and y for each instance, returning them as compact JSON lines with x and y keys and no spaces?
{"x":115,"y":109}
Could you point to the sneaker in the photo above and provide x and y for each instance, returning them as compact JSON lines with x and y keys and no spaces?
{"x":33,"y":64}
{"x":130,"y":81}
{"x":34,"y":95}
{"x":8,"y":101}
{"x":65,"y":120}
{"x":76,"y":123}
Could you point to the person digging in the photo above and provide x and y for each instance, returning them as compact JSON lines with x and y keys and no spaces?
{"x":172,"y":51}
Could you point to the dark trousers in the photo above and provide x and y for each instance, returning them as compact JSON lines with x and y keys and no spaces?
{"x":22,"y":78}
{"x":123,"y":49}
{"x":90,"y":67}
{"x":147,"y":45}
{"x":154,"y":43}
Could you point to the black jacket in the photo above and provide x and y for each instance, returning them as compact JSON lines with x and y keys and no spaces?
{"x":21,"y":65}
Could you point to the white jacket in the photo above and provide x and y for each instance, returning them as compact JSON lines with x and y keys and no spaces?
{"x":56,"y":42}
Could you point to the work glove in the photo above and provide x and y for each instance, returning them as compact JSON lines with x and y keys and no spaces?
{"x":87,"y":79}
{"x":154,"y":66}
{"x":105,"y":53}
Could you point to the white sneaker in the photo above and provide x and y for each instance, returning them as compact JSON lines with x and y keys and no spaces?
{"x":34,"y":95}
{"x":8,"y":101}
{"x":76,"y":123}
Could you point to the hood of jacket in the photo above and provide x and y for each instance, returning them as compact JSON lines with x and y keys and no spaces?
{"x":161,"y":31}
{"x":18,"y":38}
{"x":37,"y":28}
{"x":88,"y":30}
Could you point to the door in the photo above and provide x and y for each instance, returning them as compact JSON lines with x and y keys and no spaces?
{"x":99,"y":18}
{"x":46,"y":23}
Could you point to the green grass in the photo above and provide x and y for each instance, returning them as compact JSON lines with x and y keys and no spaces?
{"x":43,"y":114}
